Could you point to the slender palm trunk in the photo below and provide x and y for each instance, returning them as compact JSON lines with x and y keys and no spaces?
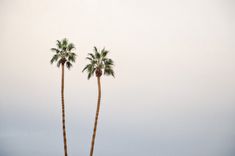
{"x":96,"y":117}
{"x":63,"y":112}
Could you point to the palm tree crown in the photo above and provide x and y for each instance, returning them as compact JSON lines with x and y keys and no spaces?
{"x":99,"y":64}
{"x":63,"y":53}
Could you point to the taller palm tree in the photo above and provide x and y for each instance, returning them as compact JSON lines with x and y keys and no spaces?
{"x":99,"y":64}
{"x":64,"y":55}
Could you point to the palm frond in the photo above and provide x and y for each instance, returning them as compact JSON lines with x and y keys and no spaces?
{"x":68,"y":64}
{"x":55,"y":50}
{"x":104,"y":52}
{"x":92,"y":55}
{"x":59,"y":45}
{"x":93,"y":71}
{"x":54,"y":58}
{"x":90,"y":68}
{"x":65,"y":42}
{"x":95,"y":49}
{"x":71,"y":57}
{"x":97,"y":55}
{"x":70,"y":46}
{"x":89,"y":76}
{"x":59,"y":62}
{"x":109,"y":71}
{"x":94,"y":62}
{"x":112,"y":73}
{"x":108,"y":62}
{"x":85,"y":67}
{"x":89,"y":58}
{"x":100,"y":65}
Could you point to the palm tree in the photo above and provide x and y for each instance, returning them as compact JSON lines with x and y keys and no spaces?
{"x":63,"y":56}
{"x":98,"y":65}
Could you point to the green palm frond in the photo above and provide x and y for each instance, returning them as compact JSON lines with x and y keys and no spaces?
{"x":59,"y":45}
{"x":71,"y":47}
{"x":109,"y":71}
{"x":63,"y":53}
{"x":55,"y":50}
{"x":94,"y":62}
{"x":89,"y":58}
{"x":100,"y":65}
{"x":65,"y":42}
{"x":104,"y":52}
{"x":92,"y":56}
{"x":112,"y":72}
{"x":89,"y":76}
{"x":71,"y":57}
{"x":85,"y":67}
{"x":97,"y":55}
{"x":68,"y":64}
{"x":108,"y":62}
{"x":59,"y":63}
{"x":95,"y":49}
{"x":90,"y":68}
{"x":54,"y":58}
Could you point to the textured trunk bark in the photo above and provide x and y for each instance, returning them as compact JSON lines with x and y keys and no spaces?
{"x":96,"y":117}
{"x":63,"y":112}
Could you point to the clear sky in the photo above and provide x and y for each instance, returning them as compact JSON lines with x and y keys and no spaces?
{"x":174,"y":91}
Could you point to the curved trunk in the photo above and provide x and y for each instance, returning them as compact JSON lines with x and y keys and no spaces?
{"x":63,"y":112}
{"x":96,"y":117}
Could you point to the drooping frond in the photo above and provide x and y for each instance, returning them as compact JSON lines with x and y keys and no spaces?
{"x":112,"y":72}
{"x":54,"y":58}
{"x":59,"y":63}
{"x":71,"y":57}
{"x":85,"y":67}
{"x":64,"y":54}
{"x":89,"y":76}
{"x":109,"y":71}
{"x":90,"y":70}
{"x":68,"y":64}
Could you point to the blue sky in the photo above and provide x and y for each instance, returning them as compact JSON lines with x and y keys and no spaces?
{"x":173,"y":94}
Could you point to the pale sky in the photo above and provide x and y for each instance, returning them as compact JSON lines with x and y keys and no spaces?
{"x":173,"y":94}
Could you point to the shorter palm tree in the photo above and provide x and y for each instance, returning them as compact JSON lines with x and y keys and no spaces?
{"x":63,"y":56}
{"x":99,"y":64}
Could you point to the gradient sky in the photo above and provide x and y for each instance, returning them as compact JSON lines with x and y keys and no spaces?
{"x":173,"y":94}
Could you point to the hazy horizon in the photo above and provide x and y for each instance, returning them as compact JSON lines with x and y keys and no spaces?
{"x":173,"y":94}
